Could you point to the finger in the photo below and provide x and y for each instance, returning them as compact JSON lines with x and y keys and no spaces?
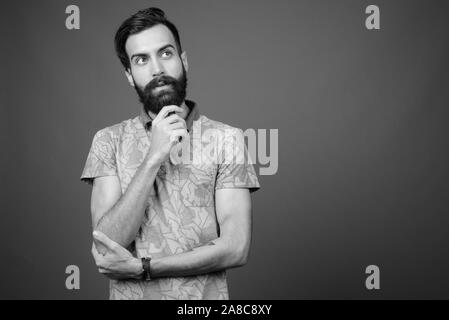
{"x":176,"y":134}
{"x":98,"y":248}
{"x":176,"y":125}
{"x":165,"y":110}
{"x":173,"y":119}
{"x":97,"y":255}
{"x":104,"y":240}
{"x":104,"y":272}
{"x":101,"y":248}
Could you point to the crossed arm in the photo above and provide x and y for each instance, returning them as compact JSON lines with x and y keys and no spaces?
{"x":113,"y":234}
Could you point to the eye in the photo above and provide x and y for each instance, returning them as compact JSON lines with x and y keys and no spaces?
{"x":166,"y":54}
{"x":140,"y":60}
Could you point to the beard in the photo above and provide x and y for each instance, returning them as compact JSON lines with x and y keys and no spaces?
{"x":154,"y":100}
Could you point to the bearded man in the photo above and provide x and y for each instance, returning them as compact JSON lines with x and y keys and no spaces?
{"x":164,"y":228}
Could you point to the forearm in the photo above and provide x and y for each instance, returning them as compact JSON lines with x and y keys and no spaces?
{"x":122,"y":222}
{"x":216,"y":256}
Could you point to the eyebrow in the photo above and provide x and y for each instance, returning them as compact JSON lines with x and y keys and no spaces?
{"x":146,"y":55}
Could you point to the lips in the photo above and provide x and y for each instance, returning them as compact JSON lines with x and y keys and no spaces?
{"x":162,"y":83}
{"x":163,"y":86}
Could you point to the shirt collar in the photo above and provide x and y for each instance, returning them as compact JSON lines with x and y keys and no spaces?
{"x":192,"y":116}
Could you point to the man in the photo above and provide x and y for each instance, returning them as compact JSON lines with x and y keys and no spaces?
{"x":166,"y":228}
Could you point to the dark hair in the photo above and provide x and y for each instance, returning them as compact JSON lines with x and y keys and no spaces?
{"x":140,"y":21}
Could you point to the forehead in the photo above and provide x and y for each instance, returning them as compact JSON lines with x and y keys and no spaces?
{"x":149,"y":40}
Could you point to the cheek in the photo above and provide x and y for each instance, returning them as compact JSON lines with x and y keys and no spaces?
{"x":141,"y":77}
{"x":174,"y":68}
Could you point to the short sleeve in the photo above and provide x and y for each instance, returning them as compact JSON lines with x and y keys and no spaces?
{"x":235,"y":168}
{"x":101,"y":160}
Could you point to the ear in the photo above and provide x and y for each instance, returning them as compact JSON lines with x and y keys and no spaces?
{"x":129,"y":76}
{"x":184,"y":60}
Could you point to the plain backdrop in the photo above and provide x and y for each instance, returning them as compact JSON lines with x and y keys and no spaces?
{"x":363,"y":139}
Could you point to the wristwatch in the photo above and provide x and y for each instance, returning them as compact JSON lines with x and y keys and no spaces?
{"x":146,"y":268}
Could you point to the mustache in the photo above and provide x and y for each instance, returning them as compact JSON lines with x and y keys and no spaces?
{"x":160,"y":81}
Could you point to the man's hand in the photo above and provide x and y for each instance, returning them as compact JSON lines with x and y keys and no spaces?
{"x":165,"y":132}
{"x":114,"y":261}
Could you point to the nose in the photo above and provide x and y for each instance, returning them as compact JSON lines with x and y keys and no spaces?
{"x":157,"y":68}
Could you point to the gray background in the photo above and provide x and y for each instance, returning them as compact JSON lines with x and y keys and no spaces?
{"x":363,"y":139}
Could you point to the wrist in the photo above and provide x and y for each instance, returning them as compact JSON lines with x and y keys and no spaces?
{"x":137,"y":267}
{"x":154,"y":160}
